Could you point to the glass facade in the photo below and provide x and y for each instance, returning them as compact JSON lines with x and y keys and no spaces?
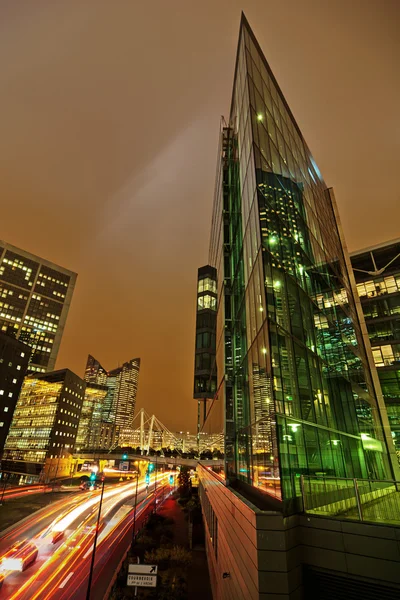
{"x":89,"y":428}
{"x":34,"y":301}
{"x":46,"y":417}
{"x":204,"y":372}
{"x":293,"y":376}
{"x":377,"y":274}
{"x":118,"y":404}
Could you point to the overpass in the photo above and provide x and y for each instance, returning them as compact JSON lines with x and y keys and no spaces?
{"x":132,"y":457}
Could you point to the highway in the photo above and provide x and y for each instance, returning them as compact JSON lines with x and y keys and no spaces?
{"x":61,"y":570}
{"x":18,"y":492}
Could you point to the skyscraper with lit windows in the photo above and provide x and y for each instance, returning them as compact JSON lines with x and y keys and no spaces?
{"x":35,"y":296}
{"x":118,"y":405}
{"x":90,"y":421}
{"x":377,"y":274}
{"x":45,"y":422}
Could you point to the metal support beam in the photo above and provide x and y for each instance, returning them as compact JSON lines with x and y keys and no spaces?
{"x":150,"y":433}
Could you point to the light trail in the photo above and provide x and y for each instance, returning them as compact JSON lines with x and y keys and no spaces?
{"x":68,"y":577}
{"x":72,"y":555}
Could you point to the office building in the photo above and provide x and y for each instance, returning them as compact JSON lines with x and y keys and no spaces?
{"x":35,"y":296}
{"x":14,"y":360}
{"x":296,"y":388}
{"x":377,"y":274}
{"x":45,"y":421}
{"x":94,"y":372}
{"x":118,"y":406}
{"x":107,"y":436}
{"x":204,"y":442}
{"x":90,"y":422}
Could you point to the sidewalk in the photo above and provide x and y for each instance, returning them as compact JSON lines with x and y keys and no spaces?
{"x":199,"y":587}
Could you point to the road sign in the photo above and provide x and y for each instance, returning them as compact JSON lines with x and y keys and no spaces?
{"x":143,"y":569}
{"x":124,"y":466}
{"x":138,"y":580}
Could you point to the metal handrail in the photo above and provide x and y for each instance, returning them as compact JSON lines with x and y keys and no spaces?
{"x":356,"y":484}
{"x":351,"y":478}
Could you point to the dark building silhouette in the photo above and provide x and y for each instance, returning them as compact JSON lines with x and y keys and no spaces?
{"x":14,"y":360}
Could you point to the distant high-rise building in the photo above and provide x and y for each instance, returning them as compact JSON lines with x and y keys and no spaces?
{"x":377,"y":274}
{"x":89,"y":429}
{"x":94,"y":372}
{"x":118,"y":406}
{"x":45,"y":421}
{"x":14,"y":360}
{"x":35,"y":296}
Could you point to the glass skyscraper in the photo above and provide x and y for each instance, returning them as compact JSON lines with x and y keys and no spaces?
{"x":35,"y":296}
{"x":294,"y":387}
{"x":118,"y":405}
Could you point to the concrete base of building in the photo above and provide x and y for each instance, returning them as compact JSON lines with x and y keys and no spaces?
{"x":256,"y":554}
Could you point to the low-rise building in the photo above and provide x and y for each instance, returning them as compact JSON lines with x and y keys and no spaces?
{"x":45,"y":423}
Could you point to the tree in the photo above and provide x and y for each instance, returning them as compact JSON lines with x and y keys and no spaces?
{"x":173,"y":563}
{"x":184,"y":483}
{"x":206,"y":455}
{"x":217,"y":454}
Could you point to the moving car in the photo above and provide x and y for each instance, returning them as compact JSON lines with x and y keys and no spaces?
{"x":57,"y":535}
{"x":89,"y":485}
{"x":19,"y":556}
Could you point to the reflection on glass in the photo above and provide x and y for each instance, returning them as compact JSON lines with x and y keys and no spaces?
{"x":294,"y":390}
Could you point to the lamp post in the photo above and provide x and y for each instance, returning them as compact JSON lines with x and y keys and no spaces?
{"x":134,"y":514}
{"x":95,"y":542}
{"x":4,"y":486}
{"x":155,"y":489}
{"x":58,"y":464}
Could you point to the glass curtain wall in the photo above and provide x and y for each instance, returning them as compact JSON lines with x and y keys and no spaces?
{"x":292,"y":369}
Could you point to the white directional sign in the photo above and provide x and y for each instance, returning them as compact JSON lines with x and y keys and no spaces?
{"x":139,"y":580}
{"x":143,"y":569}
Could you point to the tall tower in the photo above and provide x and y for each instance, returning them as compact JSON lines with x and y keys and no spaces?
{"x":205,"y":375}
{"x":294,"y":380}
{"x":118,"y":404}
{"x":35,"y":296}
{"x":127,"y":379}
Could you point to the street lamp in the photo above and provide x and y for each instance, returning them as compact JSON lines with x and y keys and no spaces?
{"x":95,"y":541}
{"x":155,"y":489}
{"x":134,"y":514}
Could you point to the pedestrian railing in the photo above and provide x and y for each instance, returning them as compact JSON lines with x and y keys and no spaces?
{"x":357,"y":499}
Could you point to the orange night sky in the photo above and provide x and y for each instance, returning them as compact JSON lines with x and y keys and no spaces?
{"x":109,"y":129}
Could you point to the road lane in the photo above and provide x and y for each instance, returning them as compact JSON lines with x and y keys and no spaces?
{"x":55,"y":562}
